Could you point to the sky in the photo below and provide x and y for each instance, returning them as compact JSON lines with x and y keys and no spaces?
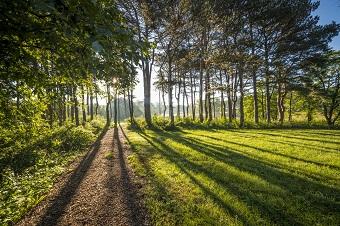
{"x":328,"y":11}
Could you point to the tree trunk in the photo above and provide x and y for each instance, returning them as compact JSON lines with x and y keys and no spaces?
{"x":290,"y":106}
{"x":255,"y":100}
{"x":83,"y":105}
{"x":222,"y":96}
{"x":192,"y":96}
{"x":108,"y":103}
{"x":267,"y":82}
{"x":76,"y":109}
{"x":115,"y":107}
{"x":97,"y":103}
{"x":213,"y":103}
{"x":87,"y":101}
{"x":163,"y":98}
{"x":208,"y":97}
{"x":72,"y":103}
{"x":171,"y":109}
{"x":183,"y":97}
{"x":229,"y":98}
{"x":200,"y":110}
{"x":91,"y":103}
{"x":241,"y":96}
{"x":234,"y":95}
{"x":178,"y":97}
{"x":130,"y":97}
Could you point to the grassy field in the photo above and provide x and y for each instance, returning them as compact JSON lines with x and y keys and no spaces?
{"x":239,"y":177}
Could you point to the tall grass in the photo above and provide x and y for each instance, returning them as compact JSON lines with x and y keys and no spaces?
{"x":28,"y":168}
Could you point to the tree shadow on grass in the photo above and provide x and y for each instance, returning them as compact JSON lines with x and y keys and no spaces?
{"x":275,"y":153}
{"x":160,"y":189}
{"x":290,"y":142}
{"x":299,"y":137}
{"x":185,"y":166}
{"x":56,"y":210}
{"x":298,"y":188}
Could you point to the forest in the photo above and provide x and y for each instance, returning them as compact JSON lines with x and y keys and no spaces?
{"x":244,"y":129}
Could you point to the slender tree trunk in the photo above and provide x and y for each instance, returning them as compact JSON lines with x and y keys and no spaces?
{"x":87,"y":101}
{"x":234,"y":95}
{"x":83,"y":104}
{"x":97,"y":103}
{"x":108,"y":103}
{"x":163,"y":98}
{"x":229,"y":97}
{"x":214,"y":107}
{"x":267,"y":82}
{"x":201,"y":92}
{"x":280,"y":102}
{"x":208,"y":97}
{"x":222,"y":96}
{"x":178,"y":97}
{"x":241,"y":96}
{"x":91,"y":103}
{"x":192,"y":96}
{"x":171,"y":109}
{"x":147,"y":93}
{"x":183,"y":97}
{"x":72,"y":103}
{"x":64,"y":106}
{"x":290,"y":106}
{"x":68,"y":108}
{"x":130,"y":97}
{"x":76,"y":106}
{"x":115,"y":109}
{"x":254,"y":77}
{"x":159,"y":102}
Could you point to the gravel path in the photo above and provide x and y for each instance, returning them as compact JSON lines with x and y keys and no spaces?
{"x":100,"y":190}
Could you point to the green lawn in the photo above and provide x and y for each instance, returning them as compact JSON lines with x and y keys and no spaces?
{"x":239,"y":177}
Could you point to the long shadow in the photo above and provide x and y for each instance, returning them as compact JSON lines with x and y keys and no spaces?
{"x":298,"y":137}
{"x":226,"y":154}
{"x":136,"y":212}
{"x":278,"y":165}
{"x":182,"y":163}
{"x":56,"y":210}
{"x":324,"y":149}
{"x":275,"y":153}
{"x":292,"y":183}
{"x":149,"y":174}
{"x":246,"y":134}
{"x":214,"y":145}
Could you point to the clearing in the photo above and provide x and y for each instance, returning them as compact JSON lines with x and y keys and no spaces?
{"x":239,"y":177}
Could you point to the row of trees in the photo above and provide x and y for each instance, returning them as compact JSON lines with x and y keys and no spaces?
{"x":59,"y":57}
{"x":265,"y":49}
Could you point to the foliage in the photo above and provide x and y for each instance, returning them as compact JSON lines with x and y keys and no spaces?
{"x":160,"y":123}
{"x":29,"y":169}
{"x":239,"y":177}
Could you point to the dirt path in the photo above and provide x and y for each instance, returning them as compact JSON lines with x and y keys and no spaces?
{"x":101,"y":190}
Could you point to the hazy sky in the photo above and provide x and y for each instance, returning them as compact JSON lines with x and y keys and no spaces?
{"x":328,"y":11}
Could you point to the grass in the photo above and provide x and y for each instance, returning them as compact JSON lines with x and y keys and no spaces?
{"x":239,"y":177}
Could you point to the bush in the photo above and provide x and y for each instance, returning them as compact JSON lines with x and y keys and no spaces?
{"x":28,"y":168}
{"x":220,"y":123}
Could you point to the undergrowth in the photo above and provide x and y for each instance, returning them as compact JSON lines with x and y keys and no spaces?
{"x":29,"y":167}
{"x":160,"y":123}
